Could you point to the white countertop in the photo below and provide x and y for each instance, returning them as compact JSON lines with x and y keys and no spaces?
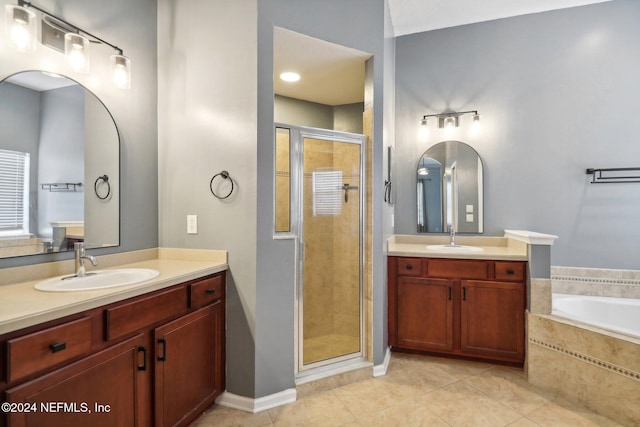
{"x":501,"y":248}
{"x":22,"y":306}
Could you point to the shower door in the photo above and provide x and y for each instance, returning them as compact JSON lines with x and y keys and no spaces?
{"x":330,"y":241}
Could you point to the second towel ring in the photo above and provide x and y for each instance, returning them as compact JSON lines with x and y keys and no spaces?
{"x":105,"y":179}
{"x":224,"y":175}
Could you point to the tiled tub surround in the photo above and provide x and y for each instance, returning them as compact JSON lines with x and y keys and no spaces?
{"x":592,"y":366}
{"x":22,"y":306}
{"x":596,"y":282}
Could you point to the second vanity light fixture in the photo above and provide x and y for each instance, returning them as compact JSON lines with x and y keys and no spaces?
{"x":20,"y":32}
{"x":450,"y":120}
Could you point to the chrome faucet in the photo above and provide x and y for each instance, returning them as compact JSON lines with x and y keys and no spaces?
{"x":452,"y":236}
{"x":80,"y":257}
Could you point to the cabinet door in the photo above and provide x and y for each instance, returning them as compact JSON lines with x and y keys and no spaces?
{"x":492,"y":319}
{"x":99,"y":390}
{"x":188,"y":365}
{"x":425,"y":313}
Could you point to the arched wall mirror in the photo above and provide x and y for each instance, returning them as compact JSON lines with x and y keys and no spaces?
{"x":450,"y":189}
{"x":60,"y":157}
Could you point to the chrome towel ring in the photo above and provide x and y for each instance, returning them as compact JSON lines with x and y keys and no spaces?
{"x":224,"y":175}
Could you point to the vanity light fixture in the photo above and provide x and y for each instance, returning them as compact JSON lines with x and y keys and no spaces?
{"x":77,"y":41}
{"x":20,"y":27}
{"x":121,"y":71}
{"x":76,"y":49}
{"x":450,"y":120}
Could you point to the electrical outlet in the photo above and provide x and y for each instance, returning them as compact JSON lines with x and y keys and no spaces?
{"x":192,"y":224}
{"x":469,"y":217}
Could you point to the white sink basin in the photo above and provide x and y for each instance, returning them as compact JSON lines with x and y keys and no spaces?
{"x":99,"y":279}
{"x":455,"y":249}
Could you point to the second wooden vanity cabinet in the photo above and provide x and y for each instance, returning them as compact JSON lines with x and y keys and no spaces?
{"x":153,"y":360}
{"x":472,"y":308}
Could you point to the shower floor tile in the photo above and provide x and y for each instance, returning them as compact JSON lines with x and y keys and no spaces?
{"x":328,"y":346}
{"x":441,"y":392}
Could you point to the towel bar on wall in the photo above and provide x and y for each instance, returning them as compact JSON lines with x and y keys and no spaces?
{"x":61,"y":186}
{"x":611,"y":175}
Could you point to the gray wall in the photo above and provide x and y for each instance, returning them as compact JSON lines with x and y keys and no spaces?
{"x":207,"y":113}
{"x":386,"y":227}
{"x":348,"y":117}
{"x":297,"y":112}
{"x":345,"y":118}
{"x":132,"y":26}
{"x":558,"y":93}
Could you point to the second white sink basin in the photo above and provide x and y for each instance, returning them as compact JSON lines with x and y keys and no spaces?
{"x":455,"y":249}
{"x":99,"y":279}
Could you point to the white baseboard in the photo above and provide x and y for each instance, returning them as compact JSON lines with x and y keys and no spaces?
{"x":249,"y":404}
{"x":381,"y":370}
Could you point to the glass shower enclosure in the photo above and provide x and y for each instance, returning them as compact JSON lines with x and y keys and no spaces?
{"x":323,"y":173}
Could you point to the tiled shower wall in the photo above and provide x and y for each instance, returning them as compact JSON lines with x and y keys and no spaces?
{"x":331,"y":293}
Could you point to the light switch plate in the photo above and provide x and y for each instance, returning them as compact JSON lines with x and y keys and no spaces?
{"x":469,"y":217}
{"x":192,"y":224}
{"x":469,"y":209}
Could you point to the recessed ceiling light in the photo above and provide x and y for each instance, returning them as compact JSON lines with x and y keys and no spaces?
{"x":54,"y":75}
{"x":290,"y":76}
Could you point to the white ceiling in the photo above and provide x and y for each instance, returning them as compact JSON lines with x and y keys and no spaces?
{"x":416,"y":16}
{"x":334,"y":75}
{"x":330,"y":74}
{"x":38,"y":81}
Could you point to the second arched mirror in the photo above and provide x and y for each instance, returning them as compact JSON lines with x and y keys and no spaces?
{"x":450,"y":189}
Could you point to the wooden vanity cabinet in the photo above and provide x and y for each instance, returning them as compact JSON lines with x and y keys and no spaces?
{"x":418,"y":327}
{"x":112,"y":378}
{"x":153,"y":360}
{"x":471,"y":308}
{"x":188,"y":366}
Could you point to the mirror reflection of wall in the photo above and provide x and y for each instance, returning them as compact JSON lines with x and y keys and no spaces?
{"x":61,"y":154}
{"x":430,"y":206}
{"x":450,"y":189}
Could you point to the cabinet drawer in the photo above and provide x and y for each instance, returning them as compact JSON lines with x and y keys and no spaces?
{"x":410,"y":266}
{"x":41,"y":350}
{"x":509,"y":271}
{"x":464,"y":269}
{"x":130,"y":317}
{"x":206,"y":291}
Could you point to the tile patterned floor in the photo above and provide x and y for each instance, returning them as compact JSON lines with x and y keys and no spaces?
{"x":423,"y":391}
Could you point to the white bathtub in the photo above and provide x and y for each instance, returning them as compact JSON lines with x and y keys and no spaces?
{"x":621,"y":315}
